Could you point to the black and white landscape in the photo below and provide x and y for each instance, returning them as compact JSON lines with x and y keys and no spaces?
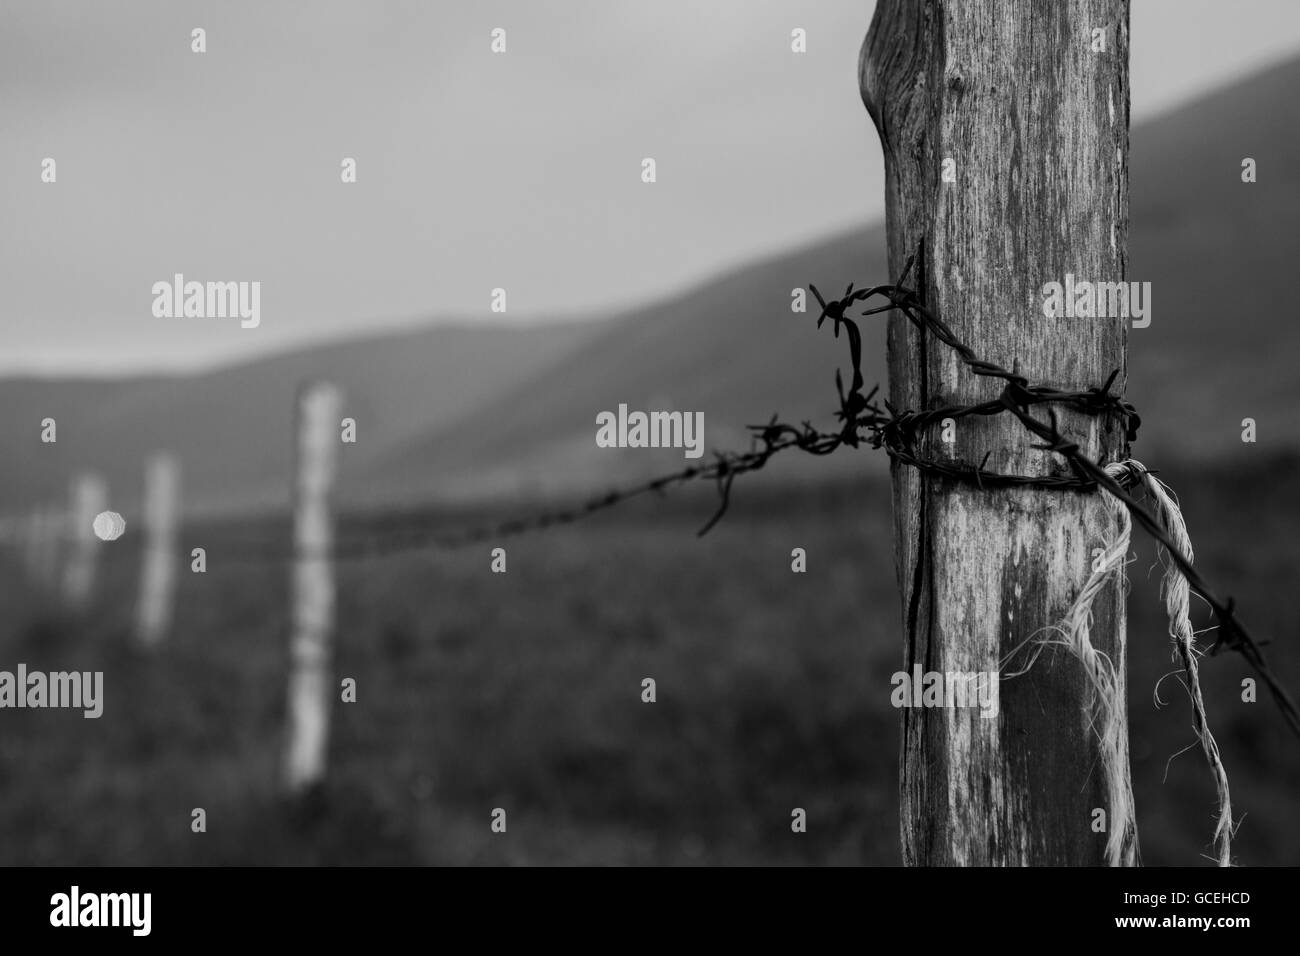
{"x":492,"y":271}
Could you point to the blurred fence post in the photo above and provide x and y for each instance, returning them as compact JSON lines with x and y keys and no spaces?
{"x":158,"y":567}
{"x":89,"y":498}
{"x":31,"y":543}
{"x":51,"y":534}
{"x":310,"y":694}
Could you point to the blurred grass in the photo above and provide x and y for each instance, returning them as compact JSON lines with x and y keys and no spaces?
{"x":522,"y":691}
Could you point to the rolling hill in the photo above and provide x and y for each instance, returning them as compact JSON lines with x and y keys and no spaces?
{"x":1218,"y":252}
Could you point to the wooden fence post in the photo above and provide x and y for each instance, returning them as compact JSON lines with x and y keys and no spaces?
{"x":89,"y":497}
{"x":52,"y":538}
{"x":40,"y":548}
{"x":310,"y":693}
{"x":158,"y":569}
{"x":27,"y":541}
{"x":1004,"y":126}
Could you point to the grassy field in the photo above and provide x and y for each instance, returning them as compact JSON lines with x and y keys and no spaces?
{"x":522,"y":691}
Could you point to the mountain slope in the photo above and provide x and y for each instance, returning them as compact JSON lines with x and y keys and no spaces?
{"x":1221,"y":255}
{"x":1218,"y":252}
{"x":733,"y":350}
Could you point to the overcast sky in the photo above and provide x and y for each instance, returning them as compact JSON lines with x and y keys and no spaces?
{"x":475,"y":170}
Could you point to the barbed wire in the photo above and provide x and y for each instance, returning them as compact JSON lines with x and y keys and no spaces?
{"x":865,"y":420}
{"x":1017,"y":397}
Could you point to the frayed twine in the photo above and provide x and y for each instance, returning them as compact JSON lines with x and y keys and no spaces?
{"x":1177,"y":594}
{"x":1107,"y":700}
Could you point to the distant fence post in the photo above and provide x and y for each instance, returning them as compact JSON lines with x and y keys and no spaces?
{"x":31,"y":528}
{"x":158,"y":569}
{"x":38,"y":547}
{"x":51,"y":534}
{"x":89,"y":497}
{"x":310,"y":693}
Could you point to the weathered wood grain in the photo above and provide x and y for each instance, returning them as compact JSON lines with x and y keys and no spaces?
{"x":1037,"y":123}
